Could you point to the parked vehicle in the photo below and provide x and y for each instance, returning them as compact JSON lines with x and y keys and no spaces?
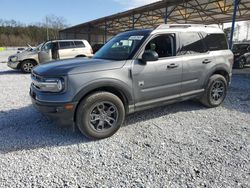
{"x":135,"y":70}
{"x":48,"y":51}
{"x":241,"y":54}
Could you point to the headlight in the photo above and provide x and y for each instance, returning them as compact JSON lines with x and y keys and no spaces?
{"x":49,"y":84}
{"x":13,"y":58}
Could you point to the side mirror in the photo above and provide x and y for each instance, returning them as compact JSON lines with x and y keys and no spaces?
{"x":150,"y":56}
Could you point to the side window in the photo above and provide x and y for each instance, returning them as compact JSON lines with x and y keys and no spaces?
{"x":163,"y":45}
{"x":79,"y":44}
{"x":66,"y":44}
{"x":47,"y":46}
{"x":191,"y":43}
{"x":216,"y":42}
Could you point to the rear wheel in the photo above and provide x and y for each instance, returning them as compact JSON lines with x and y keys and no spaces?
{"x":27,"y":66}
{"x":100,"y":115}
{"x":215,"y":92}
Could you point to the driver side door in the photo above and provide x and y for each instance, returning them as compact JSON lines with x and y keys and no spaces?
{"x":45,"y":54}
{"x":158,"y":82}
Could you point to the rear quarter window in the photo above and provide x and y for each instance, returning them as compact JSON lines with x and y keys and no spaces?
{"x":215,"y":42}
{"x":79,"y":44}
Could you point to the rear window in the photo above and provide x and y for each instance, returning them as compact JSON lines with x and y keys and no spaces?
{"x":191,"y":43}
{"x":66,"y":44}
{"x":215,"y":42}
{"x":79,"y":44}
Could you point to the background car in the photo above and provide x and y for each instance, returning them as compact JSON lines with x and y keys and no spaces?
{"x":241,"y":54}
{"x":45,"y":52}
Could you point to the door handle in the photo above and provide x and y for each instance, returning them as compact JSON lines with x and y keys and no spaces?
{"x":206,"y":61}
{"x":172,"y":66}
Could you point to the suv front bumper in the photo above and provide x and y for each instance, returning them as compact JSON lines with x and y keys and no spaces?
{"x":59,"y":112}
{"x":13,"y":65}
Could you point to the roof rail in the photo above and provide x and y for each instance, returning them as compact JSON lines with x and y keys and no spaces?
{"x":168,"y":26}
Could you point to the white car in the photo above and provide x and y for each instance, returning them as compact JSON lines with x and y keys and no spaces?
{"x":49,"y":51}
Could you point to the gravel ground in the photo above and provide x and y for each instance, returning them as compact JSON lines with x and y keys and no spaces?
{"x":180,"y":145}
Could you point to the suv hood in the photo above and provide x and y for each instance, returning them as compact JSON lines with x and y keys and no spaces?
{"x":76,"y":66}
{"x":25,"y":54}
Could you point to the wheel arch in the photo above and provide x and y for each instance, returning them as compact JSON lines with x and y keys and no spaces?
{"x":115,"y":87}
{"x":30,"y":59}
{"x":81,"y":55}
{"x":221,"y":71}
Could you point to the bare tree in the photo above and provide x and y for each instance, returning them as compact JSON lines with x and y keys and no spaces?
{"x":14,"y":33}
{"x":54,"y":24}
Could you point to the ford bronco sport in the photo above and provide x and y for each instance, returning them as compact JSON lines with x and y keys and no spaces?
{"x":135,"y":70}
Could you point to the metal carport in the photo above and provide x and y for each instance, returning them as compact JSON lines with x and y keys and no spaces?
{"x":165,"y":11}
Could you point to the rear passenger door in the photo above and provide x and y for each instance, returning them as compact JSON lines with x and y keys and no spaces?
{"x":66,"y":49}
{"x":196,"y":62}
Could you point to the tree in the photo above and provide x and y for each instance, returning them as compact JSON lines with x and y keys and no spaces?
{"x":13,"y":33}
{"x":54,"y":24}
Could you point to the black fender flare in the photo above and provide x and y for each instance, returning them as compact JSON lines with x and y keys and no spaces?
{"x":118,"y":85}
{"x":217,"y":68}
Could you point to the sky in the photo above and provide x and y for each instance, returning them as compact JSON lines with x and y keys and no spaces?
{"x":74,"y":11}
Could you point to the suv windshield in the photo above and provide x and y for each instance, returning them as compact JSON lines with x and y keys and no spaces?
{"x":122,"y":47}
{"x":38,"y":48}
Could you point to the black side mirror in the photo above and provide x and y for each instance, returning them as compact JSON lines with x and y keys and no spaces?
{"x":150,"y":56}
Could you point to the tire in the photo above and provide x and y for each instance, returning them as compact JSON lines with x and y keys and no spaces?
{"x":215,"y":92}
{"x":241,"y":63}
{"x":100,"y":115}
{"x":27,"y":66}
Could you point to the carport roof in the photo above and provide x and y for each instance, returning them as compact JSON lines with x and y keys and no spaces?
{"x":174,"y":11}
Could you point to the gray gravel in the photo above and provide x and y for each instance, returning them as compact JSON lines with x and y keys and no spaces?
{"x":180,"y":145}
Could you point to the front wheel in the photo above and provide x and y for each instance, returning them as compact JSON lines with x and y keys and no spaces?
{"x":100,"y":115}
{"x":215,"y":92}
{"x":27,"y":66}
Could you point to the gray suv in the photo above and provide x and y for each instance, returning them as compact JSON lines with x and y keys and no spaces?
{"x":135,"y":70}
